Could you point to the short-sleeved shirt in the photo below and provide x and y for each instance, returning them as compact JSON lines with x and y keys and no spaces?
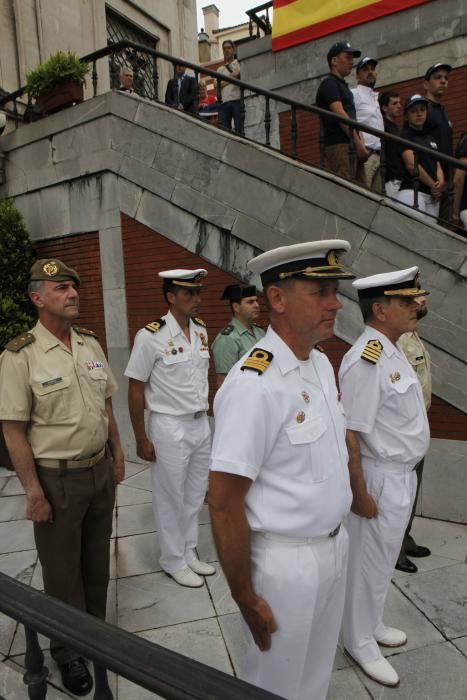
{"x":230,"y":92}
{"x":439,"y":127}
{"x":60,"y":392}
{"x":334,"y":89}
{"x":285,"y":430}
{"x":368,"y":112}
{"x":420,"y":360}
{"x":232,"y":343}
{"x":461,"y":152}
{"x":384,"y":403}
{"x":394,"y":167}
{"x":174,"y":368}
{"x":429,"y":163}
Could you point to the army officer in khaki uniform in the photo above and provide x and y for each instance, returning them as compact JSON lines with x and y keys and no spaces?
{"x":242,"y":332}
{"x":55,"y":388}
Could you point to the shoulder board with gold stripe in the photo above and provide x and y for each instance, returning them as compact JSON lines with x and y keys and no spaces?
{"x":372,"y":351}
{"x":155,"y":325}
{"x":20,"y":342}
{"x":258,"y":360}
{"x":84,"y":331}
{"x":199,"y":321}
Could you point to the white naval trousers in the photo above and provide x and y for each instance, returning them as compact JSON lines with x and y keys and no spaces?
{"x":179,"y":482}
{"x":374,"y":545}
{"x":304,"y":584}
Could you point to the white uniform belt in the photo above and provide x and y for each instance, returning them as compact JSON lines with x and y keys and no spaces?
{"x":72,"y":463}
{"x":397,"y":467}
{"x":198,"y":414}
{"x":294,"y":540}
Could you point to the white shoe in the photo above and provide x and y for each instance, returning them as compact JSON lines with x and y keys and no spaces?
{"x":201,"y":567}
{"x":392,"y":638}
{"x":187,"y":577}
{"x":381,"y":671}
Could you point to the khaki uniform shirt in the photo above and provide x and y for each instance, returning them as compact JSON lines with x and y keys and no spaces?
{"x":60,"y":393}
{"x":419,"y":358}
{"x":232,"y":343}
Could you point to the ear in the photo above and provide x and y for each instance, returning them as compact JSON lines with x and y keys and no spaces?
{"x":277,"y":298}
{"x":36,"y":299}
{"x":378,"y":311}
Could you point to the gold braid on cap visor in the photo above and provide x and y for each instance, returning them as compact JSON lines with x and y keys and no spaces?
{"x":322,"y":271}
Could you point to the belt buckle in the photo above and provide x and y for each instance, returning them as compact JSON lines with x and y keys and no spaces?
{"x":335,"y":532}
{"x":198,"y":414}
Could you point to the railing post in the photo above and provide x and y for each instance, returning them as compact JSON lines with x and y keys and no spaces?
{"x":242,"y":112}
{"x":352,"y":155}
{"x":293,"y":133}
{"x":250,"y":27}
{"x":155,"y":78}
{"x":382,"y":167}
{"x":197,"y":91}
{"x":101,"y":684}
{"x":449,"y":194}
{"x":15,"y":112}
{"x":36,"y":673}
{"x":267,"y":122}
{"x":94,"y":78}
{"x":322,"y":143}
{"x":416,"y":180}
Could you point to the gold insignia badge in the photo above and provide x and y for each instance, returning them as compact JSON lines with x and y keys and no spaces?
{"x":305,"y":397}
{"x":204,"y":340}
{"x":372,"y":351}
{"x":258,"y":360}
{"x":300,"y":417}
{"x":332,"y":258}
{"x":50,"y":269}
{"x":394,"y":377}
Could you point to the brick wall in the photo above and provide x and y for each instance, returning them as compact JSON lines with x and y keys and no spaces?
{"x":455,"y":102}
{"x":82,"y":253}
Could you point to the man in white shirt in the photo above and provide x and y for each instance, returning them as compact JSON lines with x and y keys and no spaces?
{"x":387,"y":435}
{"x":369,"y":113}
{"x":230,"y":109}
{"x":168,"y":372}
{"x":279,"y":484}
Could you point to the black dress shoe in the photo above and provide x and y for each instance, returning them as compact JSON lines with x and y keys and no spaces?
{"x":407,"y":566}
{"x":76,"y":677}
{"x":417,"y":551}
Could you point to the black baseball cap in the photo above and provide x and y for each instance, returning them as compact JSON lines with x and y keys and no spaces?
{"x":437,"y":66}
{"x":343,"y":47}
{"x":412,"y":100}
{"x":364,"y":61}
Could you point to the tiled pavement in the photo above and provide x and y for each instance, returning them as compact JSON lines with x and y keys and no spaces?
{"x":204,"y":623}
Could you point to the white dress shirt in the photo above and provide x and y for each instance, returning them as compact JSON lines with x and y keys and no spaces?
{"x":175,"y":370}
{"x":369,"y":113}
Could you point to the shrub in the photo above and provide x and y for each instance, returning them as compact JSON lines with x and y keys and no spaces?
{"x":59,"y":68}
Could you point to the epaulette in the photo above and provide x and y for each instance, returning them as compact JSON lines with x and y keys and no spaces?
{"x":155,"y":325}
{"x":319,"y":347}
{"x":84,"y":331}
{"x":227,"y":330}
{"x":200,"y":322}
{"x":372,"y":351}
{"x":20,"y":342}
{"x":258,"y":360}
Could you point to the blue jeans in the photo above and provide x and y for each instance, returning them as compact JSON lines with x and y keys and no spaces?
{"x":227,"y":112}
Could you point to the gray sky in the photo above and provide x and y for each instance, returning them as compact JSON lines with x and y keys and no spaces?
{"x":230,"y":11}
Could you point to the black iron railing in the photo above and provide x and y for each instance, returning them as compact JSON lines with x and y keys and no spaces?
{"x":261,"y":22}
{"x":151,"y":666}
{"x":285,"y":104}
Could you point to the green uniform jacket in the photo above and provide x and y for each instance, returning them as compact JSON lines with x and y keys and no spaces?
{"x":232,"y":343}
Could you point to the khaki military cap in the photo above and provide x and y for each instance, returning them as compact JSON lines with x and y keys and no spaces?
{"x":52,"y":270}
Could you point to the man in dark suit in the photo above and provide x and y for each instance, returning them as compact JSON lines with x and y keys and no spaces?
{"x":181,"y":91}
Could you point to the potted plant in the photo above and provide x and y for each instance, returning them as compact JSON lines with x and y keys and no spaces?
{"x":58,"y":82}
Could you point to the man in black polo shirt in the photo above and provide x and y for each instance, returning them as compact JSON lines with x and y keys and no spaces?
{"x":391,"y":109}
{"x":438,"y":124}
{"x":335,"y":96}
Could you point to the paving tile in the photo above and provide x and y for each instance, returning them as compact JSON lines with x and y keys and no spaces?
{"x":154,"y":600}
{"x":18,"y":565}
{"x":141,"y":480}
{"x":204,"y":518}
{"x":138,"y":554}
{"x":437,"y":672}
{"x":3,"y":481}
{"x":440,"y":595}
{"x":426,"y":564}
{"x":13,"y":508}
{"x":16,"y":536}
{"x":341,"y":660}
{"x":4,"y":473}
{"x":235,"y":639}
{"x":200,"y":640}
{"x":128,"y":496}
{"x":444,"y":539}
{"x":13,"y":688}
{"x":126,"y":690}
{"x":13,"y":487}
{"x":132,"y":468}
{"x":206,"y":547}
{"x":220,"y":592}
{"x":37,"y":581}
{"x":461,"y":644}
{"x":346,"y":685}
{"x":135,"y":520}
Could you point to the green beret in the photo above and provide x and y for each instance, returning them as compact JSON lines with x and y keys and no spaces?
{"x":53,"y":270}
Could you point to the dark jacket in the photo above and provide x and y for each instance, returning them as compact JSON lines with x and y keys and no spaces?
{"x":187,"y":96}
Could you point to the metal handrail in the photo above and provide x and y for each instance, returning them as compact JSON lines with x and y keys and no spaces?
{"x":159,"y":670}
{"x":262,"y":22}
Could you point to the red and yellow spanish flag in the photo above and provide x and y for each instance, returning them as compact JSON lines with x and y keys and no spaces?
{"x":299,"y":21}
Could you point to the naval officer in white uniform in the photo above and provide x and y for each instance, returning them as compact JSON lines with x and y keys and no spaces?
{"x":168,"y":372}
{"x":388,"y":434}
{"x":279,"y":485}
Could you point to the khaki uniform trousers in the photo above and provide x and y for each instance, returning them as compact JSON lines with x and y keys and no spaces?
{"x":373,"y":550}
{"x":304,"y":584}
{"x":74,"y":550}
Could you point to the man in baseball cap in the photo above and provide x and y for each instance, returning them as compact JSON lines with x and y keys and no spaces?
{"x":368,"y":112}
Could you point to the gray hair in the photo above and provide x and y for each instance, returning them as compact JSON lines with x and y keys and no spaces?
{"x":36,"y":286}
